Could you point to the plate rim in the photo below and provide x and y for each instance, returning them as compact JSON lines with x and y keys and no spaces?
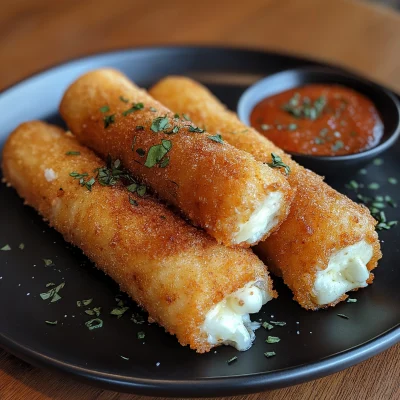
{"x":212,"y":386}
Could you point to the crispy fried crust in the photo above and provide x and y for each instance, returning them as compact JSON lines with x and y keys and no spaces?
{"x":217,"y":186}
{"x":176,"y":272}
{"x":321,"y":221}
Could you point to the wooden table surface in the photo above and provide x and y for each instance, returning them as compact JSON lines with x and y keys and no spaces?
{"x":35,"y":34}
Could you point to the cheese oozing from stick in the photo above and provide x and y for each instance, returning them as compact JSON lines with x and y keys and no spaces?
{"x":228,"y":322}
{"x":263,"y":219}
{"x":347,"y":270}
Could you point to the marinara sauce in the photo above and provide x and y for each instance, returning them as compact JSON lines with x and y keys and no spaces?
{"x":319,"y":119}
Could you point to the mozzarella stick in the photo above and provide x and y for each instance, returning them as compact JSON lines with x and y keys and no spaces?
{"x":227,"y":192}
{"x":328,"y":244}
{"x":198,"y":290}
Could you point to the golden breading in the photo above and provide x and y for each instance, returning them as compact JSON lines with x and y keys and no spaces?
{"x":217,"y":186}
{"x":176,"y":272}
{"x":321,"y":221}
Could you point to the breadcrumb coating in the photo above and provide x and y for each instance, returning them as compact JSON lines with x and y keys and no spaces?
{"x":321,"y":221}
{"x":213,"y":184}
{"x":175,"y":271}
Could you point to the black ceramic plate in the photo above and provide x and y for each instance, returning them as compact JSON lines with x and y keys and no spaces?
{"x":312,"y":344}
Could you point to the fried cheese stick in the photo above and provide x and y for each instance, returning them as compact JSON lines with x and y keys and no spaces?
{"x":233,"y":197}
{"x":328,"y":244}
{"x":198,"y":290}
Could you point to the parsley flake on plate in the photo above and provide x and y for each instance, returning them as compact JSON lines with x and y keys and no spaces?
{"x":273,"y":339}
{"x":269,"y":354}
{"x":278,"y":323}
{"x":141,"y":335}
{"x":231,"y":360}
{"x":94,"y":323}
{"x":84,"y":303}
{"x":48,"y":262}
{"x":51,"y":322}
{"x":119,"y":311}
{"x":268,"y":326}
{"x":93,"y":311}
{"x":53,"y":293}
{"x":6,"y":248}
{"x":72,"y":153}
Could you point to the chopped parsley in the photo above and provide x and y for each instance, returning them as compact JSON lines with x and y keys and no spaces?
{"x":21,"y":246}
{"x":112,"y":173}
{"x":72,"y":153}
{"x":152,"y":109}
{"x":93,"y":311}
{"x":338,"y":145}
{"x":141,"y":335}
{"x":51,"y":322}
{"x":373,"y":186}
{"x":108,"y":120}
{"x":88,"y":184}
{"x":104,"y":109}
{"x":272,"y":339}
{"x":141,"y":190}
{"x":135,"y":107}
{"x":156,"y":154}
{"x":50,"y":284}
{"x":268,"y":326}
{"x":175,"y":129}
{"x":122,"y":98}
{"x":186,"y":117}
{"x":392,"y":181}
{"x":278,"y":323}
{"x":176,"y":116}
{"x":124,"y":358}
{"x":343,"y":316}
{"x":77,"y":175}
{"x":53,"y":293}
{"x":196,"y":129}
{"x":305,"y":109}
{"x":84,"y":303}
{"x":278,"y":163}
{"x":159,"y":124}
{"x":377,"y":161}
{"x":269,"y":354}
{"x":350,"y":300}
{"x":48,"y":262}
{"x":119,"y":311}
{"x":94,"y":323}
{"x":231,"y":360}
{"x":216,"y":138}
{"x":6,"y":248}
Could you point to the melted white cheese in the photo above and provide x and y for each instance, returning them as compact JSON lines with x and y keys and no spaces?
{"x":49,"y":174}
{"x":347,"y":270}
{"x":229,"y":323}
{"x":263,"y":219}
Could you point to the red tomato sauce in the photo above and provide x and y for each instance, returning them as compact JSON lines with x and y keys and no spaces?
{"x":317,"y":119}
